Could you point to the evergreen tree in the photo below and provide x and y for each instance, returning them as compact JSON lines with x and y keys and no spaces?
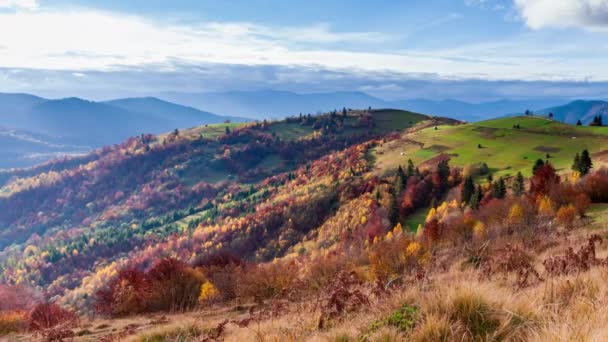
{"x":410,"y":168}
{"x":537,"y":165}
{"x":476,"y":198}
{"x":468,"y":188}
{"x":443,"y":169}
{"x":586,"y":163}
{"x":227,"y":130}
{"x":518,"y":185}
{"x":344,"y":112}
{"x":499,"y":188}
{"x":579,"y":123}
{"x":597,"y":121}
{"x":401,"y":179}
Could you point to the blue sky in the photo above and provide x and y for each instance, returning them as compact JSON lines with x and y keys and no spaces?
{"x":101,"y":49}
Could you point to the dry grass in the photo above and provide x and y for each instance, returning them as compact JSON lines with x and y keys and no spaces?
{"x":455,"y":304}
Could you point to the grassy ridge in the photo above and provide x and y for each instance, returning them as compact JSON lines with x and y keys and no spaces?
{"x":503,"y":147}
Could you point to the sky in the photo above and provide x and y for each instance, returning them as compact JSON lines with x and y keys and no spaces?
{"x":467,"y":49}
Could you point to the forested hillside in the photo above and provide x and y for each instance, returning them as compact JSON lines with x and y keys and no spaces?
{"x":310,"y":219}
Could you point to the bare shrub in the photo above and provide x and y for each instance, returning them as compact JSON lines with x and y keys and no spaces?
{"x":574,"y":262}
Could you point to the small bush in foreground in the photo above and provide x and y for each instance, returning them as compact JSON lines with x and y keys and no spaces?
{"x":48,"y":315}
{"x":404,"y":318}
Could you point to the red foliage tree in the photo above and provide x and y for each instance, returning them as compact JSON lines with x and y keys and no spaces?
{"x":126,"y":294}
{"x":544,"y":179}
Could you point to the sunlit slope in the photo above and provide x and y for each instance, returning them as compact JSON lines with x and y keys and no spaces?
{"x":499,"y":143}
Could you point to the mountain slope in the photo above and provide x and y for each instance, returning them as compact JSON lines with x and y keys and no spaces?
{"x":74,"y":121}
{"x":90,"y":122}
{"x":320,"y":190}
{"x":180,"y":116}
{"x":577,"y":110}
{"x":147,"y":190}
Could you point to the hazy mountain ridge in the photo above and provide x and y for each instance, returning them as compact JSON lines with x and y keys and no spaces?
{"x":270,"y":103}
{"x":577,"y":110}
{"x":86,"y":124}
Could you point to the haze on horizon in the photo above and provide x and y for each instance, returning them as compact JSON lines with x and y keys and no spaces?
{"x":470,"y":50}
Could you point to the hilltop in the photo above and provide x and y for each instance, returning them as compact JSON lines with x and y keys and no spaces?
{"x":508,"y":145}
{"x":345,"y":225}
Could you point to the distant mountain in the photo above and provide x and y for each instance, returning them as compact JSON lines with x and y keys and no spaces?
{"x":270,"y":103}
{"x":577,"y":110}
{"x":86,"y":122}
{"x":274,"y":104}
{"x":77,"y":122}
{"x":177,"y":115}
{"x":473,"y":111}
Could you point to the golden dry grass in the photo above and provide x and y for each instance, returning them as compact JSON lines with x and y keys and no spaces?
{"x":456,"y":304}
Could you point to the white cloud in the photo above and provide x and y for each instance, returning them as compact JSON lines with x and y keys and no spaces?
{"x":19,"y":4}
{"x":587,"y":14}
{"x":85,"y":40}
{"x":100,"y":40}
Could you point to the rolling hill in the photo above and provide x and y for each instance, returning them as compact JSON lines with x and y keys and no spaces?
{"x":286,"y":218}
{"x":506,"y":149}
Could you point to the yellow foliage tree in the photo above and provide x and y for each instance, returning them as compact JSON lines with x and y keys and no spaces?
{"x":419,"y":231}
{"x":442,"y":208}
{"x":413,"y":248}
{"x":208,"y":292}
{"x":545,"y":207}
{"x":398,"y":229}
{"x":516,"y":214}
{"x":363,"y":219}
{"x":430,"y":215}
{"x":576,"y":176}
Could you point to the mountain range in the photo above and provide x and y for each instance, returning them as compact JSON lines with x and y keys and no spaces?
{"x":275,"y":104}
{"x":36,"y":128}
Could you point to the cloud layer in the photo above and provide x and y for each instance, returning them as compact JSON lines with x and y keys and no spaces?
{"x":587,"y":14}
{"x":87,"y":40}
